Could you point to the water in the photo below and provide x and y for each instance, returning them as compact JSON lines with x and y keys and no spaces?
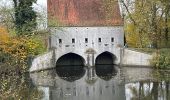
{"x":103,"y":82}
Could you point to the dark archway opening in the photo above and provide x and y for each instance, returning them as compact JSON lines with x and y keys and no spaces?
{"x":105,"y":58}
{"x":70,"y":59}
{"x":104,"y":66}
{"x":70,"y":67}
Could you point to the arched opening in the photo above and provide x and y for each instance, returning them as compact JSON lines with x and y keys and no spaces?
{"x":104,"y":65}
{"x":105,"y":58}
{"x":70,"y":59}
{"x":70,"y":67}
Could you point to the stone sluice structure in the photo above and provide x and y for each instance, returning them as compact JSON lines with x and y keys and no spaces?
{"x":88,"y":33}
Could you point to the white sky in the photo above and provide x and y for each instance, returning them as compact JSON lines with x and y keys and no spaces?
{"x":42,"y":3}
{"x":8,"y":2}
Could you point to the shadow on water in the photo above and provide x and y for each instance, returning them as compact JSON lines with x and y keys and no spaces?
{"x":70,"y":73}
{"x":104,"y":67}
{"x":106,"y":72}
{"x":73,"y":73}
{"x":97,"y":83}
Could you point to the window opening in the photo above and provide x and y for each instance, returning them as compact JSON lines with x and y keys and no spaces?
{"x":86,"y":40}
{"x":73,"y":40}
{"x":60,"y":41}
{"x":112,"y":39}
{"x":99,"y":40}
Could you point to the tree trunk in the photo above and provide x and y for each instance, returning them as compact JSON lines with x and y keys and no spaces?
{"x":166,"y":30}
{"x":154,"y":26}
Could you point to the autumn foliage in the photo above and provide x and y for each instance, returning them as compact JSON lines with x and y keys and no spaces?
{"x":14,"y":54}
{"x":15,"y":50}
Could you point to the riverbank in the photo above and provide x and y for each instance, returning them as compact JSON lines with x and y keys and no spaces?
{"x":130,"y":57}
{"x":160,"y":57}
{"x":145,"y":73}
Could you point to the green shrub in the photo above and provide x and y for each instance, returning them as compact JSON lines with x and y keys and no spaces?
{"x":16,"y":50}
{"x":161,"y":59}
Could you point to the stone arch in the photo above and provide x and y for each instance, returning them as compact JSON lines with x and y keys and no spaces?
{"x":104,"y":65}
{"x":105,"y":58}
{"x":70,"y":59}
{"x":70,"y":67}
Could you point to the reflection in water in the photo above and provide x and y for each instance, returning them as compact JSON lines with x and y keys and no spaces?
{"x":148,"y":90}
{"x":105,"y":72}
{"x":70,"y":73}
{"x":90,"y":86}
{"x":91,"y":77}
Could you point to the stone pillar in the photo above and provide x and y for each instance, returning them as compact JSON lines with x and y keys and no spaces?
{"x":121,"y":56}
{"x":90,"y":59}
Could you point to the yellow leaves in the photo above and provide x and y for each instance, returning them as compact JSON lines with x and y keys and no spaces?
{"x":34,"y":46}
{"x":136,"y":37}
{"x":4,"y":36}
{"x":19,"y":47}
{"x":31,"y":44}
{"x":132,"y":40}
{"x":3,"y":30}
{"x":14,"y":52}
{"x":131,"y":36}
{"x":4,"y":40}
{"x":130,"y":28}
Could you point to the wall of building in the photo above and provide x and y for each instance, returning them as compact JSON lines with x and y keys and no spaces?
{"x":42,"y":62}
{"x":70,"y":59}
{"x":130,"y":57}
{"x":87,"y":41}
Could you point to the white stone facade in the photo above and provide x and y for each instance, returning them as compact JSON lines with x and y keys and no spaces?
{"x":135,"y":58}
{"x":82,"y":40}
{"x":42,"y":62}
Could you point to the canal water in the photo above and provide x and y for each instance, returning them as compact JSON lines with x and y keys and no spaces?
{"x":102,"y":82}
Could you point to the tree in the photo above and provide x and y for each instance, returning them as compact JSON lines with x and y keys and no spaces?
{"x":25,"y":16}
{"x":6,"y":16}
{"x":151,"y":19}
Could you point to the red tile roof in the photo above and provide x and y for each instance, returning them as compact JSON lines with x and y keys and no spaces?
{"x":85,"y":12}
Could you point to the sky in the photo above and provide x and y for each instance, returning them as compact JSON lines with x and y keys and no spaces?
{"x":42,"y":3}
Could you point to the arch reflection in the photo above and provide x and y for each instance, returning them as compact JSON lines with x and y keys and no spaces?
{"x":91,"y":77}
{"x":70,"y":73}
{"x":106,"y":72}
{"x":104,"y":66}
